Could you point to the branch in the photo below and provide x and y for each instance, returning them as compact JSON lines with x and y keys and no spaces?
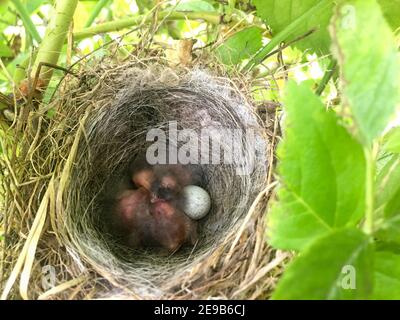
{"x":56,"y":32}
{"x":117,"y":25}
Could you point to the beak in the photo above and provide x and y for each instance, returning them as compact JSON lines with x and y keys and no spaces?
{"x":154,"y":198}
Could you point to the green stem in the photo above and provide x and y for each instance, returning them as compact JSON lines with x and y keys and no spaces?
{"x":56,"y":32}
{"x":369,"y":189}
{"x":327,"y":76}
{"x":26,"y":19}
{"x":96,"y":11}
{"x":20,"y":72}
{"x":117,"y":25}
{"x":285,"y":33}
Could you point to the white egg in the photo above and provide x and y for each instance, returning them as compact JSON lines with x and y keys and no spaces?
{"x":196,"y":202}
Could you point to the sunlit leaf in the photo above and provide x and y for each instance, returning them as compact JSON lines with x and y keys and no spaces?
{"x":336,"y":266}
{"x":322,"y":174}
{"x":391,"y":11}
{"x":388,"y":200}
{"x":32,"y":5}
{"x":3,"y":5}
{"x":5,"y":51}
{"x":240,"y":46}
{"x":279,"y":14}
{"x":392,"y":141}
{"x":194,"y":5}
{"x":387,"y":276}
{"x":370,"y":69}
{"x":8,"y":18}
{"x":82,"y":13}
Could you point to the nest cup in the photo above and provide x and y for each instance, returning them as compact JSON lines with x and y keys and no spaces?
{"x":140,"y":101}
{"x":68,"y":160}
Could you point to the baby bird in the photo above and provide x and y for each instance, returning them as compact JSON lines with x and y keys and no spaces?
{"x":164,"y":181}
{"x":151,"y":214}
{"x":172,"y":228}
{"x":132,"y":218}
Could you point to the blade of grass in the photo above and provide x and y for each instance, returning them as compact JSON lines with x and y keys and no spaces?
{"x":26,"y":19}
{"x":64,"y":286}
{"x":29,"y":248}
{"x":327,"y":76}
{"x":96,"y":11}
{"x":32,"y":242}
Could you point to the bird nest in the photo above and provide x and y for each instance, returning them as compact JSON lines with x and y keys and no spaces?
{"x":64,"y":157}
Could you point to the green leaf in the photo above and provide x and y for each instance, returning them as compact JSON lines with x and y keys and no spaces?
{"x":8,"y":18}
{"x":322,"y":173}
{"x":392,"y":141}
{"x":32,"y":5}
{"x":3,"y":5}
{"x":388,"y":181}
{"x":95,"y":12}
{"x":365,"y":48}
{"x":336,"y":266}
{"x":279,"y":14}
{"x":144,"y":4}
{"x":388,"y":201}
{"x":391,"y":11}
{"x":240,"y":46}
{"x":30,"y":27}
{"x":5,"y":51}
{"x":194,"y":5}
{"x":12,"y":65}
{"x":387,"y":276}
